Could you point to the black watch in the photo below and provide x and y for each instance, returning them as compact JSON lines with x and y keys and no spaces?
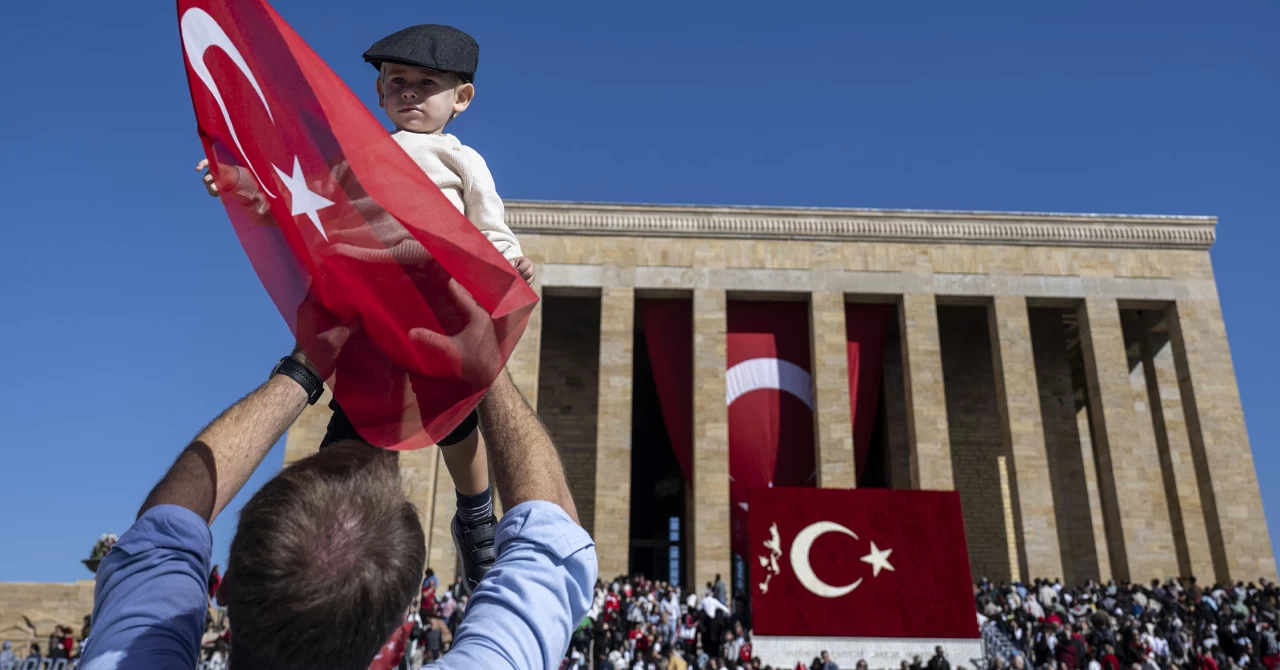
{"x":313,"y":385}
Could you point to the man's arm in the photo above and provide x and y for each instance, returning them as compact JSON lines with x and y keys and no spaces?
{"x":524,"y":611}
{"x":525,"y":463}
{"x":151,"y":595}
{"x":216,"y":465}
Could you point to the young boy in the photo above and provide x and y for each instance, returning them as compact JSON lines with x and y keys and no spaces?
{"x":426,"y":78}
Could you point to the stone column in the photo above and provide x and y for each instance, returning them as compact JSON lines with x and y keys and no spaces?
{"x":418,"y":477}
{"x":442,"y":556}
{"x":927,"y":430}
{"x":1018,"y":397}
{"x":523,"y":363}
{"x":1130,"y":483}
{"x":1098,"y":522}
{"x":305,"y":434}
{"x":833,"y":426}
{"x":1164,"y":399}
{"x":896,"y":416}
{"x":1228,"y":484}
{"x":710,"y":552}
{"x":612,"y":522}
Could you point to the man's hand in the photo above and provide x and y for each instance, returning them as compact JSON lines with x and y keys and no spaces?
{"x":525,"y":267}
{"x":483,"y":358}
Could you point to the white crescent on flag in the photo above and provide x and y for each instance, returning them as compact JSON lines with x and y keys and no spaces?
{"x":201,"y":32}
{"x":768,"y":373}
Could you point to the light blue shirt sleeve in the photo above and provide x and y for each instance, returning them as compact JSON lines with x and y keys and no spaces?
{"x":525,"y":609}
{"x":151,"y":597}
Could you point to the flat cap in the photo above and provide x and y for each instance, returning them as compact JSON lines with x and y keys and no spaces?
{"x":429,"y":46}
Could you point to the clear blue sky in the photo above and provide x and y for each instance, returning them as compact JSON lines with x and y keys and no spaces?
{"x":131,"y":317}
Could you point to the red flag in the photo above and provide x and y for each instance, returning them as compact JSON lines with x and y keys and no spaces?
{"x":770,"y":398}
{"x":403,"y":305}
{"x":860,"y":563}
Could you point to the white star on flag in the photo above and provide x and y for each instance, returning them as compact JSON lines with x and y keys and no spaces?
{"x":878,"y":559}
{"x":302,"y":199}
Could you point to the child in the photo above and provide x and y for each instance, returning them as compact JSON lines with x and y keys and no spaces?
{"x":426,"y":78}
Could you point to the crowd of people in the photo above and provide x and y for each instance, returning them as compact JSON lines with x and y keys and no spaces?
{"x":63,"y":646}
{"x":1167,"y":625}
{"x":641,"y":624}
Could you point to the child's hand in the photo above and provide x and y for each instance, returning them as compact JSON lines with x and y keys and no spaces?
{"x":228,"y":173}
{"x":209,"y":185}
{"x":525,"y":267}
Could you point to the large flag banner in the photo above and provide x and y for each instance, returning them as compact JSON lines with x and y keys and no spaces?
{"x":860,"y":563}
{"x":769,"y":392}
{"x":408,"y":312}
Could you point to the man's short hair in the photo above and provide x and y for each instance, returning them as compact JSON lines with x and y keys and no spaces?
{"x":327,"y":557}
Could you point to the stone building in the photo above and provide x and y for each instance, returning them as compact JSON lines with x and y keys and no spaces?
{"x":1069,"y":375}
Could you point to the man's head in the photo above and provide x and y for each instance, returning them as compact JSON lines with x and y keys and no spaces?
{"x":826,"y":658}
{"x":937,"y":651}
{"x":326,"y":559}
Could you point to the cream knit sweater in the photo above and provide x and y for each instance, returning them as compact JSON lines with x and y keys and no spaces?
{"x":457,"y":170}
{"x":465,"y":179}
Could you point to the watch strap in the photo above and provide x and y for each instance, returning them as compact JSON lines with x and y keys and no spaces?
{"x":313,"y":385}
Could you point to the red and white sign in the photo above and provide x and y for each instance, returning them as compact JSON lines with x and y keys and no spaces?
{"x":860,"y":563}
{"x":408,"y":347}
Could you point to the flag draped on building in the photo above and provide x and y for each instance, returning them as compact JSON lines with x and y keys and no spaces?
{"x":408,"y":312}
{"x":865,"y":563}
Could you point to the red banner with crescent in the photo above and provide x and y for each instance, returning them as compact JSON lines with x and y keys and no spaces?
{"x":860,"y":563}
{"x":403,"y":305}
{"x":770,"y":398}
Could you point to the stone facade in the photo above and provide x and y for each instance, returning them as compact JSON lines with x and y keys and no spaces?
{"x":29,"y":612}
{"x":1009,"y":377}
{"x":1084,"y":443}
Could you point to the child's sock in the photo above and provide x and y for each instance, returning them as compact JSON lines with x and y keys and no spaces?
{"x":476,"y":509}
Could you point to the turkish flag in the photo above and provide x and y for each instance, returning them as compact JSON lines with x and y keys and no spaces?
{"x":770,"y":398}
{"x":405,"y":308}
{"x":860,"y":563}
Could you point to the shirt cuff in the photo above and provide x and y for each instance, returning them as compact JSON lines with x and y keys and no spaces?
{"x":167,"y":527}
{"x":545,"y":524}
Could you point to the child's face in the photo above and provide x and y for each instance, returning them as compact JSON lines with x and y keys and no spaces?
{"x":421,"y":101}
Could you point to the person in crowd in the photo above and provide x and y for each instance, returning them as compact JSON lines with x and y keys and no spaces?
{"x":939,"y":660}
{"x":54,"y":645}
{"x":338,"y":602}
{"x":824,"y":662}
{"x":85,"y":629}
{"x":215,"y":580}
{"x":7,"y":657}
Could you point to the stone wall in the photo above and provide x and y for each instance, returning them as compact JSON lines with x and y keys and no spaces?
{"x":973,"y":422}
{"x":1062,"y":446}
{"x":568,"y":391}
{"x":29,"y":611}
